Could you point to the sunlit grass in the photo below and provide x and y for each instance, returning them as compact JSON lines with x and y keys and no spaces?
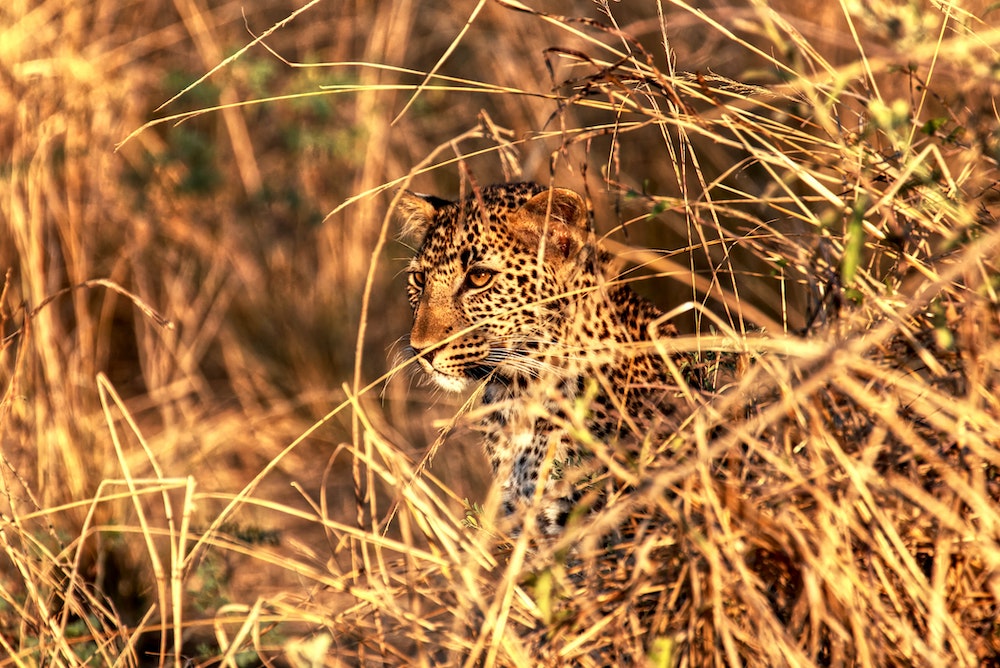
{"x":206,"y":455}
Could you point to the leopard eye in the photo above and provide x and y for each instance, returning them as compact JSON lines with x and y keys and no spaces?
{"x":478,"y":278}
{"x":414,"y":286}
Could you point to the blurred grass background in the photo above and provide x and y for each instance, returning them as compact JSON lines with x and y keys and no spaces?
{"x":253,"y":230}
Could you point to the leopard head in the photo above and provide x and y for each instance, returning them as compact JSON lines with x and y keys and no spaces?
{"x":490,"y":281}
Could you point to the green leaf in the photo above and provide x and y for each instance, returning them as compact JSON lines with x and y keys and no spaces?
{"x":854,"y":241}
{"x":933,"y":125}
{"x":661,"y":653}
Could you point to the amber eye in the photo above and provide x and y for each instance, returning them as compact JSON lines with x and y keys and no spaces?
{"x":478,"y":277}
{"x":414,"y":286}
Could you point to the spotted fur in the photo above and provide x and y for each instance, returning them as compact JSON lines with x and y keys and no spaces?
{"x":510,"y":291}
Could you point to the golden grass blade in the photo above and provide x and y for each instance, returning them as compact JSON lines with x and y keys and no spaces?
{"x":222,"y":64}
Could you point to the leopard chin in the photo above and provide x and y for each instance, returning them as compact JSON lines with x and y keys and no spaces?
{"x":458,"y":382}
{"x":450,"y":383}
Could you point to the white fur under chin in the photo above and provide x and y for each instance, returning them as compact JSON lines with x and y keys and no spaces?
{"x":450,"y":383}
{"x":444,"y":381}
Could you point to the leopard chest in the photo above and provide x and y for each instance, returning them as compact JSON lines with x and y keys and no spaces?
{"x":522,"y":440}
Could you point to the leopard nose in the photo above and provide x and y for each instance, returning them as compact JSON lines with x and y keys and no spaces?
{"x":419,"y":346}
{"x":432,"y":324}
{"x":424,"y":355}
{"x":424,"y":341}
{"x":416,"y":350}
{"x":425,"y":349}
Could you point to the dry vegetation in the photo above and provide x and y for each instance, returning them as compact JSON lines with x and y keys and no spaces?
{"x":201,"y":460}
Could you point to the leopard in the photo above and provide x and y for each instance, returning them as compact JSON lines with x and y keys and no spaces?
{"x":513,"y":295}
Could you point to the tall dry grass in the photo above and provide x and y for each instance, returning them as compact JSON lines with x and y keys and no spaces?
{"x":201,"y":459}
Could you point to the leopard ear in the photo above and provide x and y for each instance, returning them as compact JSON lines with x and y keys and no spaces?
{"x":567,"y":225}
{"x":416,"y":212}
